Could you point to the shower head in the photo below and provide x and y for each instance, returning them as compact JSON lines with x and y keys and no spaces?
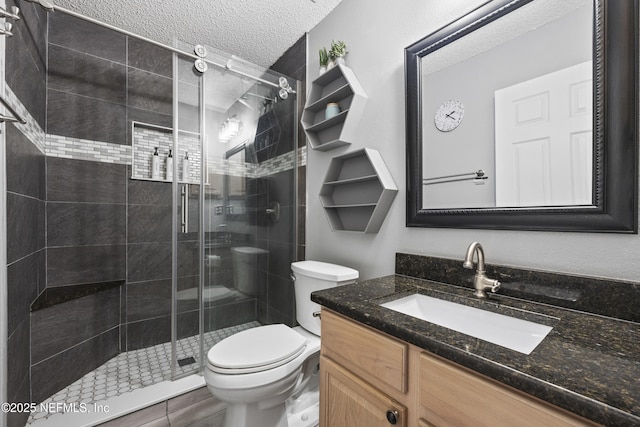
{"x":46,"y":4}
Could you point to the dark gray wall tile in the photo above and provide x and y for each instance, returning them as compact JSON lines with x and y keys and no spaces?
{"x":146,"y":300}
{"x":55,"y":373}
{"x":293,"y":62}
{"x":18,"y":359}
{"x":42,"y":270}
{"x":149,"y":117}
{"x":81,"y":74}
{"x":148,"y":223}
{"x":149,"y":57}
{"x":76,"y":34}
{"x":86,"y":118}
{"x":148,"y":261}
{"x":149,"y":193}
{"x":188,"y":258}
{"x":149,"y":91}
{"x":188,"y":294}
{"x":85,"y":264}
{"x":84,"y":181}
{"x":189,"y":325}
{"x":25,"y":224}
{"x":281,"y":295}
{"x":25,"y":165}
{"x":22,"y":288}
{"x":26,"y":59}
{"x":146,"y":333}
{"x":80,"y":224}
{"x":280,"y":255}
{"x":57,"y":328}
{"x":32,"y":27}
{"x":222,"y":316}
{"x":19,"y":419}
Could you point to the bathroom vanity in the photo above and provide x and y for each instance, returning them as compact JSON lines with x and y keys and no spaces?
{"x":382,"y":367}
{"x":372,"y":379}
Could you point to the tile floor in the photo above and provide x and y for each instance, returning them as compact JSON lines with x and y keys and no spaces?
{"x":133,"y":370}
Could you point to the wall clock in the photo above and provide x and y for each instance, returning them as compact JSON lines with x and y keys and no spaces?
{"x":449,"y":115}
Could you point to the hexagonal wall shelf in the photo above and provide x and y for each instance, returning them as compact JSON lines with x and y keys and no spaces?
{"x":338,"y":85}
{"x":357,"y":191}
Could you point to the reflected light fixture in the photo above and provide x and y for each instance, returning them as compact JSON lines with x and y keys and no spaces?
{"x":229,"y":129}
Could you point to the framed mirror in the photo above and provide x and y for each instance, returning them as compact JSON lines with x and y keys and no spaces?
{"x":523,"y":114}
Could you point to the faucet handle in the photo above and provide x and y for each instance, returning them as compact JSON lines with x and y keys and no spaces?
{"x":494,"y":285}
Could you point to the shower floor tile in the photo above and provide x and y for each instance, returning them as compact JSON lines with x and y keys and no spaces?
{"x":132,"y":370}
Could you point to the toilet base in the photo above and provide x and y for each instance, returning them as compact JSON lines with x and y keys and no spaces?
{"x":307,"y":414}
{"x":250,"y":415}
{"x":304,"y":411}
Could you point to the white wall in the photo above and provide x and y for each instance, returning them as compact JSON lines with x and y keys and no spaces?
{"x":376,"y":33}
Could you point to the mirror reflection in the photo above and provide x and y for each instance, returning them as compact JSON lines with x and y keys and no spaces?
{"x":507,"y":112}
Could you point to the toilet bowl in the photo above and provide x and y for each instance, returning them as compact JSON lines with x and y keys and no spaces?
{"x":268,"y":375}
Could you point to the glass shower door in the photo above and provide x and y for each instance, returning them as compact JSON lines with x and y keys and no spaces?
{"x":234,"y":215}
{"x":187,"y":236}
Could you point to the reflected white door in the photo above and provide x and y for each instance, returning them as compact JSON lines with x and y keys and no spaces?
{"x":544,"y":147}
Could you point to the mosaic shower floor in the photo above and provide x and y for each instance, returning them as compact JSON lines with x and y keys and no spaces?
{"x":132,"y":370}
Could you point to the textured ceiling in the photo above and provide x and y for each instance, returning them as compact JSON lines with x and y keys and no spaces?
{"x":259,"y":31}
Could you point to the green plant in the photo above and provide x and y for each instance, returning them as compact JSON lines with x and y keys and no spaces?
{"x":324,"y":57}
{"x":338,"y":49}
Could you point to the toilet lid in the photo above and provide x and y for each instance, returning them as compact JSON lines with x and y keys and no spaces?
{"x":256,"y":349}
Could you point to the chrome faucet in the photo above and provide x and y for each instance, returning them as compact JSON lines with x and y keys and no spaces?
{"x":480,"y":281}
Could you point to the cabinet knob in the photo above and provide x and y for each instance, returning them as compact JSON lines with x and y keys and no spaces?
{"x":392,"y":416}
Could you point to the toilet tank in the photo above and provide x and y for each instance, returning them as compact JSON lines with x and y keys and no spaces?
{"x":311,"y":276}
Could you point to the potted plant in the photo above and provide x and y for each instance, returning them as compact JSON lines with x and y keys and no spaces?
{"x":324,"y":60}
{"x":337,"y":52}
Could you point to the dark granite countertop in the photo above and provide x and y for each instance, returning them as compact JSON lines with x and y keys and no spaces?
{"x":589,"y":364}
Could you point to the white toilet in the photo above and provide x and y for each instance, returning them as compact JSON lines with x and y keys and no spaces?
{"x":268,"y":375}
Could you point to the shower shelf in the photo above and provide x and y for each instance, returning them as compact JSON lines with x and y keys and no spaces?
{"x":338,"y":85}
{"x":59,"y":295}
{"x":357,"y":192}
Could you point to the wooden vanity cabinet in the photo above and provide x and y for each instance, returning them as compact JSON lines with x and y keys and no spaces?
{"x":349,"y":401}
{"x":451,"y":395}
{"x":367,"y":376}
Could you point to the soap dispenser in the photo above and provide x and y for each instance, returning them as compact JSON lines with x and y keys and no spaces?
{"x":169,"y":164}
{"x":155,"y":165}
{"x":185,"y":167}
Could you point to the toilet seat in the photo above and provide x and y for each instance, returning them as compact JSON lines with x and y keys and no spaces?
{"x":256,"y":350}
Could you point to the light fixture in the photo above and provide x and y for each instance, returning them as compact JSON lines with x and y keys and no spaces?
{"x":229,"y":129}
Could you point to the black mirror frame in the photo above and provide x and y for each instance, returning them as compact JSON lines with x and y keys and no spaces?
{"x":615,"y":59}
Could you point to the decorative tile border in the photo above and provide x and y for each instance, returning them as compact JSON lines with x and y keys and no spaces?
{"x":145,"y":138}
{"x":32,"y":129}
{"x":85,"y":149}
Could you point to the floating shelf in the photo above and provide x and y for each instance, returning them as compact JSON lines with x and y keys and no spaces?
{"x":338,"y":85}
{"x":357,"y":191}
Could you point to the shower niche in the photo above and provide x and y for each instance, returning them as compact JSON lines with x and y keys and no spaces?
{"x":147,"y":137}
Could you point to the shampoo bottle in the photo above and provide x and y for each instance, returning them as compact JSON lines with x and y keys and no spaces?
{"x":155,"y":165}
{"x":169,"y":166}
{"x":185,"y":167}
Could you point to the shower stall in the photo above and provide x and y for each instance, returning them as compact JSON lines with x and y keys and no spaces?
{"x":169,"y":190}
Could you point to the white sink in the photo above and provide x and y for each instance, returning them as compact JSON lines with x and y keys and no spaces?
{"x":517,"y":334}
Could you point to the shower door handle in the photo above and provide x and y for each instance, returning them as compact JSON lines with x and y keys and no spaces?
{"x":184,"y":196}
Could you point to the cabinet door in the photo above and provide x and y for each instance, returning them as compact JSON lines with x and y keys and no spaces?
{"x":451,"y":396}
{"x":347,"y":401}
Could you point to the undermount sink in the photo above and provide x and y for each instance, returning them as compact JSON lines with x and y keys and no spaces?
{"x":506,"y":331}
